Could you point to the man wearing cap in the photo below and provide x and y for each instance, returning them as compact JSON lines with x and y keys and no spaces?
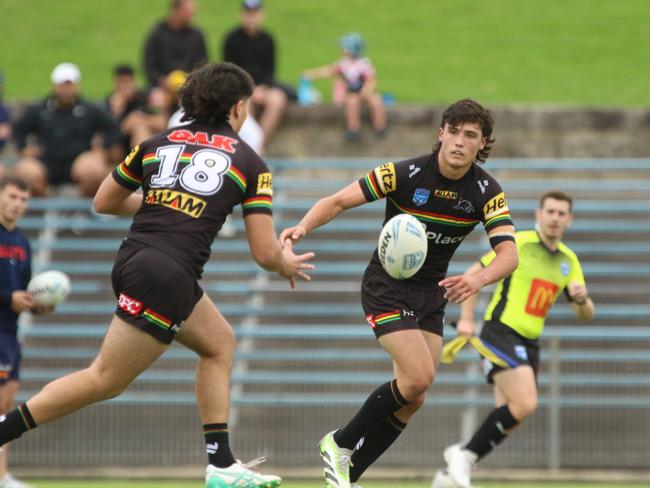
{"x":253,"y":48}
{"x":63,"y":127}
{"x":174,"y":44}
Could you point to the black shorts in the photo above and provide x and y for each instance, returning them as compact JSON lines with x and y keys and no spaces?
{"x":390,"y":305}
{"x":154,"y":292}
{"x":513,"y":348}
{"x":10,"y":356}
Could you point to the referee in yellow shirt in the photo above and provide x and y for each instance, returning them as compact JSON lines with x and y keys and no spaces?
{"x":514,"y":321}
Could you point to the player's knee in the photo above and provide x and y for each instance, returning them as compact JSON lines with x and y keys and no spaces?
{"x":415,"y":404}
{"x":523,"y":408}
{"x":105,"y":383}
{"x":418,"y":383}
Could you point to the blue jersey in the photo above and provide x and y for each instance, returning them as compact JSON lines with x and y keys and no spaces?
{"x":15,"y":273}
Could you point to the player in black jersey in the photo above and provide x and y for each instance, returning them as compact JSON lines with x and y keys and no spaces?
{"x":191,"y":179}
{"x":450,"y":193}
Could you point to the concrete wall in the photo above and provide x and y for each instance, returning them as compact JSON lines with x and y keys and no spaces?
{"x":521,"y":131}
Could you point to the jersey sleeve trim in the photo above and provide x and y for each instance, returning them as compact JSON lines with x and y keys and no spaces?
{"x":124,"y":177}
{"x":370,"y":187}
{"x":257,"y":204}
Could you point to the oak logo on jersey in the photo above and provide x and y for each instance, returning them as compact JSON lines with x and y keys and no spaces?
{"x":497,"y":205}
{"x":131,"y":155}
{"x":386,"y":178}
{"x":449,"y":195}
{"x":216,"y":141}
{"x":177,"y":200}
{"x":265,"y":184}
{"x":541,"y":297}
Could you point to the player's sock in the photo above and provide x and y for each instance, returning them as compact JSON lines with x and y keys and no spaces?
{"x":376,"y":441}
{"x":218,"y":445}
{"x":382,"y":402}
{"x":15,"y":423}
{"x":493,"y":431}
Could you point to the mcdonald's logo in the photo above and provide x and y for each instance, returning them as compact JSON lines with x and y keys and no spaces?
{"x":541,"y":297}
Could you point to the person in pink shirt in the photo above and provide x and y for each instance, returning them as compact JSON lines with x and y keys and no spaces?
{"x":357,"y":74}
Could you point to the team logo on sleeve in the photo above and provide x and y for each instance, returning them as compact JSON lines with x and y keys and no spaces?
{"x":131,"y":155}
{"x":386,"y":178}
{"x":421,"y":196}
{"x":497,"y":205}
{"x":265,"y":184}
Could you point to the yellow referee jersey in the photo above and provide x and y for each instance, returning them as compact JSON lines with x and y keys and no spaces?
{"x":523,"y":299}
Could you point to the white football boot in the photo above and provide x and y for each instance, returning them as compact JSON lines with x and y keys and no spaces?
{"x":459,"y":465}
{"x":240,"y":476}
{"x":442,"y":480}
{"x":337,"y":462}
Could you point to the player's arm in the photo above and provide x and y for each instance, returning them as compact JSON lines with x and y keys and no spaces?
{"x":113,"y":198}
{"x":270,"y":255}
{"x":320,"y":72}
{"x":325,"y":210}
{"x":466,"y":325}
{"x":460,"y":288}
{"x":581,"y":302}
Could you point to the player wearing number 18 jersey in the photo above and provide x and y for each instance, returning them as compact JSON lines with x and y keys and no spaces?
{"x":191,"y":178}
{"x":450,"y":194}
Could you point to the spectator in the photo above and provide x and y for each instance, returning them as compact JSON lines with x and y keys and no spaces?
{"x":358,"y":75}
{"x":63,"y":127}
{"x":174,"y":44}
{"x":253,"y":48}
{"x":5,"y":125}
{"x":162,"y":103}
{"x":125,"y":99}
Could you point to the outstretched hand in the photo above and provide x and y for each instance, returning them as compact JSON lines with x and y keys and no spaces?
{"x":295,"y":265}
{"x":460,"y":288}
{"x":294,"y":233}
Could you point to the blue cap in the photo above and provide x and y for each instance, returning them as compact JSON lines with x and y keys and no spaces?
{"x":353,"y":43}
{"x":251,"y":4}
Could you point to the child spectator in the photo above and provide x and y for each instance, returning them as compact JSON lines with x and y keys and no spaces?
{"x":358,"y":75}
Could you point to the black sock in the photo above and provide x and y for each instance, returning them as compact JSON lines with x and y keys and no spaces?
{"x":376,"y":441}
{"x":493,"y":431}
{"x":218,"y":445}
{"x":382,"y":402}
{"x":15,"y":424}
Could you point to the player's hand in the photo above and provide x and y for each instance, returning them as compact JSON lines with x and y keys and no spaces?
{"x":21,"y":300}
{"x":295,"y":265}
{"x":460,"y":288}
{"x":466,"y":327}
{"x":578,"y":292}
{"x":294,"y":233}
{"x":42,"y":309}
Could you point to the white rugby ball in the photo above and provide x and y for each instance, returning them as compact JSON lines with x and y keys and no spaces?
{"x":49,"y":287}
{"x":402,"y":246}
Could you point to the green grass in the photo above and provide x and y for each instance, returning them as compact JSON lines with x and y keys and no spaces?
{"x":314,"y":484}
{"x":591,"y":52}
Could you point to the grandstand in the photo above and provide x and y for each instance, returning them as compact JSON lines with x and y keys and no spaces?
{"x":306,"y":359}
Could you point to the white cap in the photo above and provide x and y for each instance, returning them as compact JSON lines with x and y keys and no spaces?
{"x":65,"y":72}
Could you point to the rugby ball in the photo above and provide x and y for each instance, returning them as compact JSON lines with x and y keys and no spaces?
{"x":402,"y":246}
{"x":49,"y":288}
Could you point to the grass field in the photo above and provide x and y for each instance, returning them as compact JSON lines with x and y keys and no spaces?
{"x":315,"y":484}
{"x":590,"y":52}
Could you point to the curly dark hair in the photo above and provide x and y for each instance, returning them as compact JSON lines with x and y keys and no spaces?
{"x":470,"y":111}
{"x":211,"y":90}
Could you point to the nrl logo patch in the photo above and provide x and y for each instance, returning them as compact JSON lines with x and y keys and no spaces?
{"x":421,"y":196}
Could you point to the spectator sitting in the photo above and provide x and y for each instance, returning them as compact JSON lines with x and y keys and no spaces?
{"x":253,"y":48}
{"x":162,"y":104}
{"x":125,"y":98}
{"x":174,"y":44}
{"x":358,"y":74}
{"x":5,"y":124}
{"x":64,"y":126}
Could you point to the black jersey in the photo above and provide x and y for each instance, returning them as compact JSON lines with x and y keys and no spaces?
{"x":450,"y":209}
{"x":192,"y":178}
